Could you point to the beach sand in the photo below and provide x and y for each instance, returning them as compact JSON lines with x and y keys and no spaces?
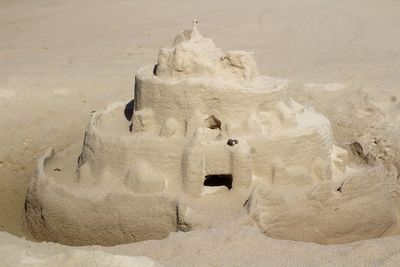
{"x":61,"y":60}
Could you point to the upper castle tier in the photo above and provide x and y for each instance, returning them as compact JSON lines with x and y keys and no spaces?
{"x":204,"y":96}
{"x":194,"y":56}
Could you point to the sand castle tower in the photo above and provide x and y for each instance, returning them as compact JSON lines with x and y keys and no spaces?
{"x":206,"y":141}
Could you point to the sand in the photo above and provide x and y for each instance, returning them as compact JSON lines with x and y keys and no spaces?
{"x":60,"y":61}
{"x":227,"y":246}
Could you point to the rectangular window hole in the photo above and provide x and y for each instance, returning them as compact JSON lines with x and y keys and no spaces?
{"x":219,"y":180}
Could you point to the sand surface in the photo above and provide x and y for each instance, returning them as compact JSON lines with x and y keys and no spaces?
{"x":227,"y":246}
{"x":61,"y":60}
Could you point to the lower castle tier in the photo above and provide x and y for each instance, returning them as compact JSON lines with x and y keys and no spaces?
{"x":207,"y":141}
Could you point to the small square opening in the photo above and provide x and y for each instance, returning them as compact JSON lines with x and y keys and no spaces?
{"x":219,"y":180}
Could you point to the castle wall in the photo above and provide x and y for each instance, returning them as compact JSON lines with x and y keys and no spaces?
{"x":216,"y":158}
{"x":186,"y":101}
{"x":138,"y":156}
{"x":302,"y":148}
{"x":55,"y":213}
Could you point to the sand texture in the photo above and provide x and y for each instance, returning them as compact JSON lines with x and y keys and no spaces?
{"x":63,"y":63}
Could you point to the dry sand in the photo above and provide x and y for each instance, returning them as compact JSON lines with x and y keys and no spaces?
{"x":61,"y":60}
{"x":227,"y":246}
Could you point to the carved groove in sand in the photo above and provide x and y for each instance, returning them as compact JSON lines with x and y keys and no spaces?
{"x":210,"y":141}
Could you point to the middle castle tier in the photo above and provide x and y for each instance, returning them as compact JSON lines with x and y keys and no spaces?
{"x":184,"y":118}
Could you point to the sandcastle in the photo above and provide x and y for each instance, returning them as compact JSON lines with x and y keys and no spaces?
{"x":207,"y":141}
